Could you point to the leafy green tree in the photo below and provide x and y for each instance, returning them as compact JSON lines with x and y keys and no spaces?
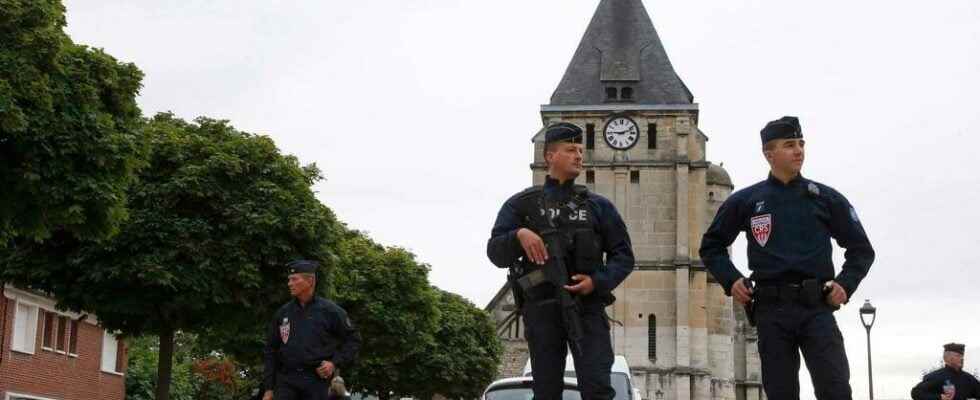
{"x":69,"y":142}
{"x":141,"y":371}
{"x":213,"y":218}
{"x":387,"y":294}
{"x":465,"y":354}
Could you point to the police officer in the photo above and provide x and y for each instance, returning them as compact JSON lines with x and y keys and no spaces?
{"x":788,"y":222}
{"x":948,"y":382}
{"x":592,"y":227}
{"x":308,"y":340}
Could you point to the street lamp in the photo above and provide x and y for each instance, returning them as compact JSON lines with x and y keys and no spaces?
{"x":867,"y":310}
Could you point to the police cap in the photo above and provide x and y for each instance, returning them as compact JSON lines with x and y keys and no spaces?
{"x":302,"y":267}
{"x":955,"y":347}
{"x":562,"y":132}
{"x":783,"y":128}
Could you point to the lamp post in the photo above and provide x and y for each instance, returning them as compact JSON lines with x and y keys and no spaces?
{"x":868,"y":311}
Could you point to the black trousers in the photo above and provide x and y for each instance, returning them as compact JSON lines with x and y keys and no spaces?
{"x":301,"y":385}
{"x":548,"y":344}
{"x":787,"y":327}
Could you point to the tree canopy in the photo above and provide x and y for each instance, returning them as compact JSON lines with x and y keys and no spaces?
{"x":69,"y":142}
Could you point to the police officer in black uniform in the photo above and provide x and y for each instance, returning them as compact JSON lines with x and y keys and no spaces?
{"x":591,"y":227}
{"x":788,"y":222}
{"x":949,"y":382}
{"x":309,"y":339}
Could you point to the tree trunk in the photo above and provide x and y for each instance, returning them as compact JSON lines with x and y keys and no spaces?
{"x":165,"y":365}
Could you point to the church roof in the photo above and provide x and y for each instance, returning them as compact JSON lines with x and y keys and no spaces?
{"x":621,"y":49}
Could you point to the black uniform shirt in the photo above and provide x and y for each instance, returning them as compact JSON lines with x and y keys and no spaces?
{"x":931,"y":386}
{"x":301,"y":337}
{"x":788,"y":228}
{"x":504,"y":249}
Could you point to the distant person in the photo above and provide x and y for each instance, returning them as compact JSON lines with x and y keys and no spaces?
{"x":309,"y":338}
{"x":949,"y":382}
{"x":788,"y":221}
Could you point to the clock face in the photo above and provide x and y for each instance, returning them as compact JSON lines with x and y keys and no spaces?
{"x":621,"y":133}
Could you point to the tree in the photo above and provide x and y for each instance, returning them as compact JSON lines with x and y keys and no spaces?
{"x":213,"y":219}
{"x":69,"y":142}
{"x":387,"y":294}
{"x":465,"y":354}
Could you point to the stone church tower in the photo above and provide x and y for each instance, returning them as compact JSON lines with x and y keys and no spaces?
{"x":681,"y":335}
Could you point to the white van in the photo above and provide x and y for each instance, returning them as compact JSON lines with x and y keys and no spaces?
{"x":621,"y":379}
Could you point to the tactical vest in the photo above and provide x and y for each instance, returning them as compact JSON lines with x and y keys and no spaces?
{"x":574,"y":219}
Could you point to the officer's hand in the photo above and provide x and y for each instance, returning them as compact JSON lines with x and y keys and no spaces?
{"x":267,"y":395}
{"x":533,"y":246}
{"x":741,"y":293}
{"x":837,"y":295}
{"x":325,"y":370}
{"x":584,"y":285}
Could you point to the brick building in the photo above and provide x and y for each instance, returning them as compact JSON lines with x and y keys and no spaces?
{"x":47,"y":354}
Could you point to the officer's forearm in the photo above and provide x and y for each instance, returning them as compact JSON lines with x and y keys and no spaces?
{"x":858,"y":260}
{"x":504,"y":249}
{"x":722,"y":268}
{"x":617,"y":269}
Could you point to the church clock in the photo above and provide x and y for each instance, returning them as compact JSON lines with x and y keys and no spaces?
{"x":621,"y":133}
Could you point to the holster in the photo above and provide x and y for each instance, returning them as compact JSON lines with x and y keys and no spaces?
{"x":513,"y":277}
{"x":813,"y":293}
{"x":750,"y":306}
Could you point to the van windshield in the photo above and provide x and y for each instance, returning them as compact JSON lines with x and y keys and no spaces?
{"x":619,"y":382}
{"x":525,"y":393}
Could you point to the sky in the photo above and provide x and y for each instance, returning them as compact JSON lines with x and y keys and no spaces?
{"x":420,"y":113}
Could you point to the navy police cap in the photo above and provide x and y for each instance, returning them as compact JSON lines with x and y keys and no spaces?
{"x":783,"y":128}
{"x":562,"y":132}
{"x":302,"y":267}
{"x":955,"y":347}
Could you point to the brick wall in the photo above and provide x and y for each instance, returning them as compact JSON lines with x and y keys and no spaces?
{"x":513,"y":359}
{"x":54,"y":375}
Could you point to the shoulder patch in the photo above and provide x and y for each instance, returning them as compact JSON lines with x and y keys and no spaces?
{"x":813,"y":189}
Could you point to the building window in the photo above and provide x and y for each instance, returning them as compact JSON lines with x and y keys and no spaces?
{"x":634,"y":176}
{"x":652,"y":337}
{"x":651,"y":136}
{"x":589,"y":136}
{"x":626,"y":93}
{"x":73,"y":337}
{"x":590,"y":176}
{"x":25,"y":328}
{"x":62,"y":333}
{"x":111,"y":353}
{"x":48,"y":331}
{"x":611,"y":94}
{"x":18,"y":396}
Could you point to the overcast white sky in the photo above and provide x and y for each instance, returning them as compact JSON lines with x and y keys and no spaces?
{"x":420,"y":113}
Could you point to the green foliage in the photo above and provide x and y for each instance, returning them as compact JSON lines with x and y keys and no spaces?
{"x":141,"y":372}
{"x":197,"y":374}
{"x":465,"y":354}
{"x":69,"y":142}
{"x":387,"y":294}
{"x":213,"y":219}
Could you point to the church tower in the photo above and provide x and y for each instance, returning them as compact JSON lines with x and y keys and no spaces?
{"x":644,"y":152}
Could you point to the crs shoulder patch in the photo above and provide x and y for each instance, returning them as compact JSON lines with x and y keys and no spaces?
{"x":761,"y":228}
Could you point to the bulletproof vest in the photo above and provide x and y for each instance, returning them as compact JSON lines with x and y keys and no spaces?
{"x":573,"y":218}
